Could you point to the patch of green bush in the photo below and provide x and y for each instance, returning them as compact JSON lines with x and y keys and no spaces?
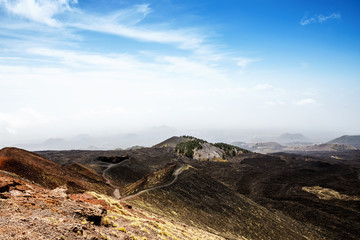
{"x":187,"y":148}
{"x":230,"y":150}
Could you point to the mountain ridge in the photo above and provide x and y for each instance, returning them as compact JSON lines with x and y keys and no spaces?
{"x":352,"y":140}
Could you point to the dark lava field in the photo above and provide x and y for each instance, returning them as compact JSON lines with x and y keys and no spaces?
{"x":277,"y":196}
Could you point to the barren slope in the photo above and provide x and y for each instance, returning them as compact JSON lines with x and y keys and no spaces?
{"x":29,"y":211}
{"x":35,"y":168}
{"x":251,"y":195}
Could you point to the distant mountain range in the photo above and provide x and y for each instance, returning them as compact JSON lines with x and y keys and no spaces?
{"x":284,"y":139}
{"x":283,"y":142}
{"x":292,"y":138}
{"x":328,"y":147}
{"x":107,"y":142}
{"x":299,"y":143}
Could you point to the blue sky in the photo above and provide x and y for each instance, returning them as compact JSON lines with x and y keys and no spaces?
{"x":69,"y":67}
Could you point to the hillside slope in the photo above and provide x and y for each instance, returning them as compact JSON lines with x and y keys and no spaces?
{"x":171,"y":142}
{"x":30,"y":211}
{"x":201,"y":201}
{"x":352,"y":140}
{"x":248,"y":195}
{"x":278,"y":181}
{"x":33,"y":167}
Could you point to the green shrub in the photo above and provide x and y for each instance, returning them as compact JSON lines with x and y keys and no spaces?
{"x":187,"y":148}
{"x":230,"y":150}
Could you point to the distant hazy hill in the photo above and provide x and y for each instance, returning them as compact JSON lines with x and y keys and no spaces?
{"x":291,"y":138}
{"x":238,"y":143}
{"x":136,"y":147}
{"x":353,"y":140}
{"x":330,"y":147}
{"x":200,"y":149}
{"x":267,"y":147}
{"x":171,"y":142}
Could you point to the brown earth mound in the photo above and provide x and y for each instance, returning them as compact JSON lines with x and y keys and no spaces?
{"x":35,"y":168}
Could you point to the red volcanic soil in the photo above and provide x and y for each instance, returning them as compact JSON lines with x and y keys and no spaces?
{"x":49,"y":174}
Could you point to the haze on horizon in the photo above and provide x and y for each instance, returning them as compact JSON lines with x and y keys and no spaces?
{"x":69,"y":67}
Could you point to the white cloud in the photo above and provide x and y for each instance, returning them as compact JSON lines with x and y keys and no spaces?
{"x":128,"y":67}
{"x":128,"y":16}
{"x":214,"y":92}
{"x":274,"y":103}
{"x":23,"y":118}
{"x":183,"y":38}
{"x":263,"y":86}
{"x":319,"y":18}
{"x":307,"y":20}
{"x":305,"y":101}
{"x":124,"y":22}
{"x":82,"y":59}
{"x":42,"y":11}
{"x":191,"y":68}
{"x":244,"y":62}
{"x":322,"y":18}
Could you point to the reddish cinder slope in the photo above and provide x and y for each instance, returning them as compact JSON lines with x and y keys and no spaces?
{"x":49,"y":174}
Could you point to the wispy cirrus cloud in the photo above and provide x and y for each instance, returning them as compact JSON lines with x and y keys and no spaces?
{"x":184,"y":38}
{"x":41,"y":11}
{"x":319,"y":18}
{"x":243,"y":62}
{"x":61,"y":24}
{"x":126,"y":22}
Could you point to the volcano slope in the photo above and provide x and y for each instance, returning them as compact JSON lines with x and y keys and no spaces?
{"x":193,"y":197}
{"x":281,"y":182}
{"x":249,"y":195}
{"x":33,"y":167}
{"x":30,"y":211}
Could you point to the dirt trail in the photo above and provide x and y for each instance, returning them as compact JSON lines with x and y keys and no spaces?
{"x":175,"y":174}
{"x":107,"y":180}
{"x":116,"y":192}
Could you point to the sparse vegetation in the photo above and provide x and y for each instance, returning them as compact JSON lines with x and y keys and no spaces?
{"x":329,"y":194}
{"x":189,"y":137}
{"x":106,"y":221}
{"x":122,"y":229}
{"x":187,"y":148}
{"x":230,"y":150}
{"x":220,"y":160}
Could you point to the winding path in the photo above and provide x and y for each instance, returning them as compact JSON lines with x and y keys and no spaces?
{"x":175,"y":174}
{"x":116,"y":192}
{"x":104,"y":172}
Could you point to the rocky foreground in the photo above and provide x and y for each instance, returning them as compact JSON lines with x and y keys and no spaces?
{"x":29,"y":211}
